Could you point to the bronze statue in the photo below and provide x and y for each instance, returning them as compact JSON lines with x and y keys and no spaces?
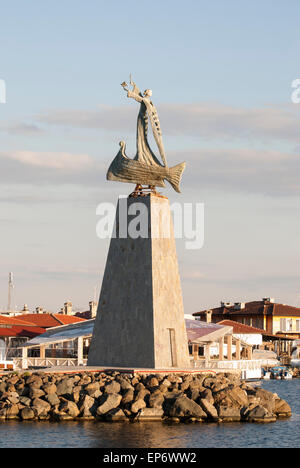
{"x":144,"y":168}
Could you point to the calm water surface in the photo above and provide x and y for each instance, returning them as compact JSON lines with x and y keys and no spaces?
{"x":283,"y":433}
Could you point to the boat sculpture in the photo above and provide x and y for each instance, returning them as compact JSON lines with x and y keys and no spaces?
{"x":145,"y":168}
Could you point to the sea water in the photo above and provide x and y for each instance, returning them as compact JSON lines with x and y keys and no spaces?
{"x":282,"y":433}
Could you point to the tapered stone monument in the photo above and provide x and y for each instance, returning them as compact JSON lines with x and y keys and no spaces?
{"x":140,"y":318}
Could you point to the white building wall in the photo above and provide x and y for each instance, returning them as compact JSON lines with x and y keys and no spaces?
{"x":251,"y":338}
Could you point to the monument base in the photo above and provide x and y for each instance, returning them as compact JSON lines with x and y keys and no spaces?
{"x":140,"y":318}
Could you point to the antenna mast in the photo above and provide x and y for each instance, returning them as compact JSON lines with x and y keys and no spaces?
{"x":10,"y":287}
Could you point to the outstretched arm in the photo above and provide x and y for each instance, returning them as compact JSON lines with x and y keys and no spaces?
{"x":135,"y":93}
{"x":132,"y":94}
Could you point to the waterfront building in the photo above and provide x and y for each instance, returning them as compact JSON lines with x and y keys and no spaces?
{"x":14,"y":332}
{"x":274,"y":318}
{"x":65,"y":345}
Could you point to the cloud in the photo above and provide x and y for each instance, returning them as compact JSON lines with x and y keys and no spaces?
{"x":21,"y":128}
{"x":105,"y":118}
{"x":247,"y":170}
{"x":204,"y":120}
{"x":53,"y":160}
{"x":52,"y":168}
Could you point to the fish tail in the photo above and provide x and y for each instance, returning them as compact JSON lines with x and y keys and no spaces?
{"x":175,"y":176}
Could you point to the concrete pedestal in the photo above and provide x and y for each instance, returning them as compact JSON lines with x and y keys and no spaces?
{"x":140,"y":317}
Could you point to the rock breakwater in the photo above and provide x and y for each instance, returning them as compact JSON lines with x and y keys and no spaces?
{"x":114,"y":396}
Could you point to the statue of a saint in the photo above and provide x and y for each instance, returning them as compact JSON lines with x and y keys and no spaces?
{"x":147,"y":110}
{"x":145,"y":168}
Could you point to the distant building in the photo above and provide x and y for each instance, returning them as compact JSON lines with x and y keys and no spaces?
{"x":89,"y":314}
{"x":13,"y":333}
{"x":67,"y":309}
{"x":274,"y":318}
{"x":13,"y":313}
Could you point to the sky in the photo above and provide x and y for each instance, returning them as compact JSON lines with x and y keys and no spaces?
{"x":221,"y":75}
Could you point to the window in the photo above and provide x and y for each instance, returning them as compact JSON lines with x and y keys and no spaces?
{"x":298,"y":325}
{"x":283,"y":324}
{"x":286,"y":325}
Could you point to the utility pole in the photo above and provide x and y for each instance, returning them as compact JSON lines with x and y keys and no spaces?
{"x":10,"y":287}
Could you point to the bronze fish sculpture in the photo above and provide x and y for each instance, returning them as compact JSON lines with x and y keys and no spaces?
{"x":144,"y":168}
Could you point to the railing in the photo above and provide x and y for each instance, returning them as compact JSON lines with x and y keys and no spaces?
{"x":248,"y":368}
{"x":25,"y":363}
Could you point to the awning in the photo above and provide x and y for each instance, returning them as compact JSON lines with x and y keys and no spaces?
{"x":62,"y":333}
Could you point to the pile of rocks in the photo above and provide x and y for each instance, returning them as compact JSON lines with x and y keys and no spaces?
{"x":114,"y":396}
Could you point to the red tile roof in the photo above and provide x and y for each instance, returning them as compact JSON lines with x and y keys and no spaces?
{"x":67,"y":319}
{"x":5,"y":320}
{"x":29,"y":332}
{"x":50,"y":320}
{"x":255,"y":308}
{"x":240,"y":328}
{"x":286,"y":310}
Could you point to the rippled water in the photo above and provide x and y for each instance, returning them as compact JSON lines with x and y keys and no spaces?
{"x":282,"y":433}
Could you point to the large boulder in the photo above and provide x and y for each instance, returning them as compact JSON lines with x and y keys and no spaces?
{"x":206,"y":394}
{"x":34,"y":380}
{"x":13,"y":397}
{"x":282,"y":409}
{"x":12,"y":411}
{"x":128,"y":397}
{"x":184,"y":407}
{"x":92,"y":389}
{"x":113,"y":387}
{"x":35,"y":392}
{"x":141,"y":394}
{"x":216,"y":383}
{"x":27,"y":413}
{"x":87,"y":407}
{"x":156,"y":399}
{"x":108,"y":402}
{"x":3,"y":387}
{"x":258,"y":414}
{"x":209,"y":409}
{"x":25,"y":401}
{"x":138,"y":405}
{"x":41,"y":408}
{"x":68,"y":408}
{"x":52,"y":399}
{"x":229,"y":414}
{"x":152,"y":382}
{"x":49,"y":388}
{"x":65,"y":387}
{"x":125,"y":385}
{"x":232,"y":396}
{"x":13,"y":379}
{"x":266,"y":399}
